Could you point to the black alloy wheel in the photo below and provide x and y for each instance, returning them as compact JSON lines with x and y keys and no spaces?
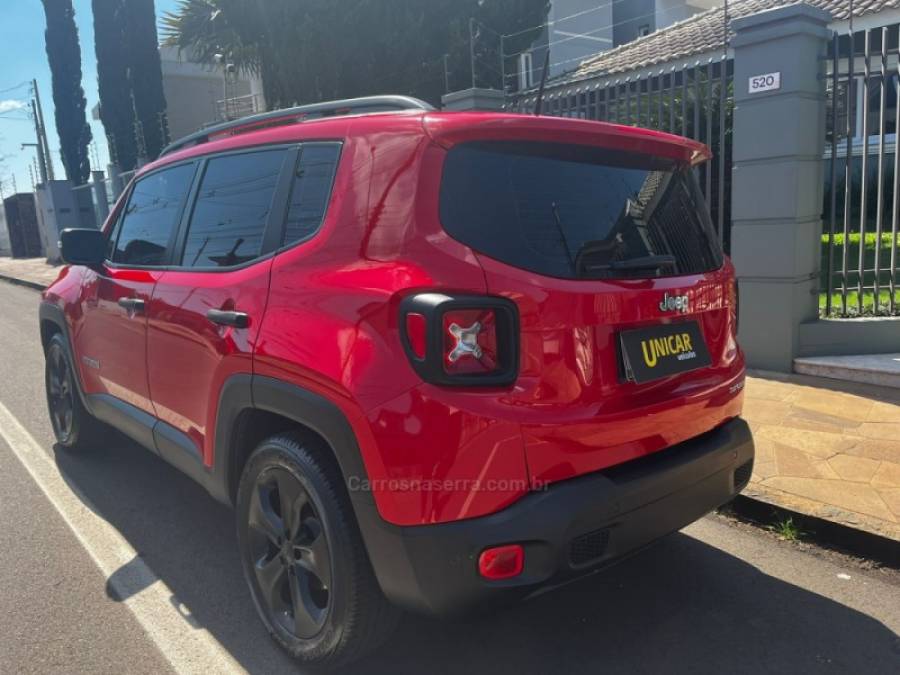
{"x":73,"y":426}
{"x":60,"y":393}
{"x":290,"y":553}
{"x":303,"y":556}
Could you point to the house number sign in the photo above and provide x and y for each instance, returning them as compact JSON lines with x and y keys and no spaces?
{"x":767,"y":82}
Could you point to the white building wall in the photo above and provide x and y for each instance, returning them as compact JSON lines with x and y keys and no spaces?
{"x":574,"y":39}
{"x":673,"y":11}
{"x":5,"y":246}
{"x":194,"y":92}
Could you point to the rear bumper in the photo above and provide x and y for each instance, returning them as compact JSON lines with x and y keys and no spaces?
{"x":569,"y":529}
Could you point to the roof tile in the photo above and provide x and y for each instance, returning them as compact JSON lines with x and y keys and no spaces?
{"x":700,"y":34}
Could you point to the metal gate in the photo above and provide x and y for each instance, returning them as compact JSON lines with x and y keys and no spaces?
{"x":859,"y":242}
{"x":695,"y":100}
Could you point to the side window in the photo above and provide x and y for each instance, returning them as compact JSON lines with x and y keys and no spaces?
{"x":232,"y":209}
{"x":151,"y":216}
{"x":311,"y":190}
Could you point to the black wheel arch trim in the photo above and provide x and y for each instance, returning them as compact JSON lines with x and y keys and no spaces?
{"x":50,"y":313}
{"x":392,"y":568}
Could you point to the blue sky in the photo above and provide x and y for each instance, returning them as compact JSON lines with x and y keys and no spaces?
{"x":22,"y":57}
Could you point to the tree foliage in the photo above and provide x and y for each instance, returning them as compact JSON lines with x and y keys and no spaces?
{"x":116,"y":107}
{"x":145,"y":72}
{"x":129,"y":73}
{"x":311,"y":50}
{"x":64,"y":56}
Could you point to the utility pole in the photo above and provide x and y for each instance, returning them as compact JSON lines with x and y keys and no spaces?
{"x":472,"y":48}
{"x":39,"y":146}
{"x":502,"y":66}
{"x":446,"y":74}
{"x":42,"y":134}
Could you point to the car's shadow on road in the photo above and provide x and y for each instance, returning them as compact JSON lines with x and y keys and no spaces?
{"x":681,"y":606}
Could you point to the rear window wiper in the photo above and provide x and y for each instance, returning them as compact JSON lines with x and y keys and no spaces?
{"x":562,"y":233}
{"x":649,"y":262}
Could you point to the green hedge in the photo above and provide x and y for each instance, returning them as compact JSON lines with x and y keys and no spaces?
{"x":853,"y":257}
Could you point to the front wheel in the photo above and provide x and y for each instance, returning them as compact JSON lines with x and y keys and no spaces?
{"x":73,"y":426}
{"x":303,"y":556}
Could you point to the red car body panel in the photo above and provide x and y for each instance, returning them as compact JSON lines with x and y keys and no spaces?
{"x":111,"y":340}
{"x":189,"y":358}
{"x":324,"y":316}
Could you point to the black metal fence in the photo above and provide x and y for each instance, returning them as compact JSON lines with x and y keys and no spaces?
{"x":694,"y":100}
{"x":862,"y":201}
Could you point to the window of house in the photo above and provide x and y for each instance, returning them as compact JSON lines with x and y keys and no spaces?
{"x":151,"y":216}
{"x":644,"y":30}
{"x":232,"y":209}
{"x":311,"y":190}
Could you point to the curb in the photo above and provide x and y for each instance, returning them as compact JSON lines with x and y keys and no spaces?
{"x":819,"y":531}
{"x":23,"y":282}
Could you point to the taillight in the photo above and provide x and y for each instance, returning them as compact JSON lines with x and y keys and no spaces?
{"x":461,"y":340}
{"x":415,"y":333}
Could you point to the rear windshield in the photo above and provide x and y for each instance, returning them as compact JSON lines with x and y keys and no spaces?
{"x":577,"y":212}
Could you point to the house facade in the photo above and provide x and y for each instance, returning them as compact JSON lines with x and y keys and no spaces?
{"x":578,"y":29}
{"x":198,"y":95}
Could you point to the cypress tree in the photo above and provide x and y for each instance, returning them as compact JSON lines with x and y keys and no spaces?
{"x":64,"y":56}
{"x":116,"y":107}
{"x":145,"y":72}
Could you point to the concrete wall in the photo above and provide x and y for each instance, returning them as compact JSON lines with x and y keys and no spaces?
{"x":59,"y":207}
{"x":778,"y":178}
{"x":5,"y":249}
{"x":628,"y":17}
{"x":193,"y":91}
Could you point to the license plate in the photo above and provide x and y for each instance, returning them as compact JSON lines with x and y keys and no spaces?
{"x":662,"y":350}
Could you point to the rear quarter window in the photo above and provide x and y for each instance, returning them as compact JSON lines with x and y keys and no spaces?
{"x":577,"y":212}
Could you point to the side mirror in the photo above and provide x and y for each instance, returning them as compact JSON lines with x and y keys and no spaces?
{"x":82,"y":246}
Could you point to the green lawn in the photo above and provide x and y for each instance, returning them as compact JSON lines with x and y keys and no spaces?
{"x":868,"y":276}
{"x":852,"y":303}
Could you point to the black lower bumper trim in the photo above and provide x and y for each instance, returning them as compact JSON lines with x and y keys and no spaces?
{"x":571,"y":528}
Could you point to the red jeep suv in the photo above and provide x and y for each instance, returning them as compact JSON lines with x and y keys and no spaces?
{"x":435,"y":361}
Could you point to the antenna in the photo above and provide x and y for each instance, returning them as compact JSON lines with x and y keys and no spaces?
{"x":538,"y":105}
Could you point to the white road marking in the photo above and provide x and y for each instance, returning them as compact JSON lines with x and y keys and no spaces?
{"x":187,"y":647}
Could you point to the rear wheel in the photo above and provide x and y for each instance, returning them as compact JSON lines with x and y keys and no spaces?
{"x":303,"y":557}
{"x":73,"y":426}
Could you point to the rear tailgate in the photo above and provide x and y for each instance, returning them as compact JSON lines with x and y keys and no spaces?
{"x":606,"y":252}
{"x":579,"y":411}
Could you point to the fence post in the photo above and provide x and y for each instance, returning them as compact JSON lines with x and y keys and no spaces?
{"x":778,"y":176}
{"x":101,"y":204}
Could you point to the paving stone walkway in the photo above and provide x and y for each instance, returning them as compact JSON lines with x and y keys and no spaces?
{"x":32,"y":271}
{"x":827,"y":448}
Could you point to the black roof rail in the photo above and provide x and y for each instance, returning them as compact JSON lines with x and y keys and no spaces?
{"x":349,"y":106}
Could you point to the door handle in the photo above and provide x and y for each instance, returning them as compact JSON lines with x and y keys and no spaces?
{"x":132,"y":304}
{"x":224,"y":318}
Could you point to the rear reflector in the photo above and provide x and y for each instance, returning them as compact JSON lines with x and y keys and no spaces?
{"x":501,"y":562}
{"x":470,"y":341}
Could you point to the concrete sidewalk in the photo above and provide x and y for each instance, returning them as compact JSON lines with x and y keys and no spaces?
{"x":33,"y":272}
{"x":827,"y":449}
{"x":824,"y":448}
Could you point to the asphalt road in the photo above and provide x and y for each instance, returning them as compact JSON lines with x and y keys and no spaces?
{"x":714,"y":598}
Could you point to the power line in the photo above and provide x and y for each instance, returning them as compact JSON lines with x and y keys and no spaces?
{"x":565,"y":18}
{"x":18,"y":86}
{"x":596,"y":30}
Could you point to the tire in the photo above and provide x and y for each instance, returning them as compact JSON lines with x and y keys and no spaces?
{"x":74,"y":427}
{"x":314,"y":560}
